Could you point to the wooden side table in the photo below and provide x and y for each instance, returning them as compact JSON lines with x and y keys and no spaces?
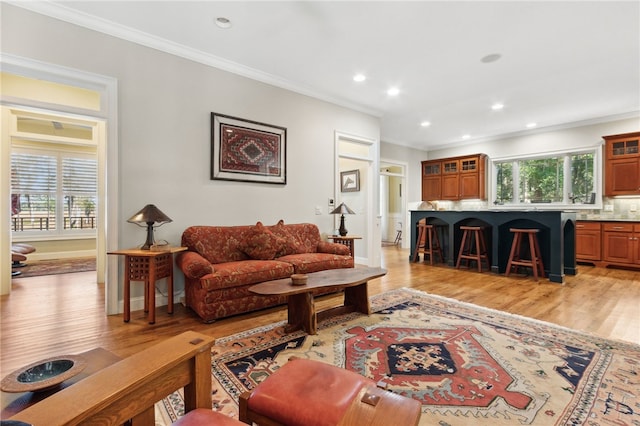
{"x":347,"y":240}
{"x":147,"y":266}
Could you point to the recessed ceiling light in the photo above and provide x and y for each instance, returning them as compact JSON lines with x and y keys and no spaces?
{"x":359,"y":78}
{"x":531,"y":125}
{"x":393,"y":91}
{"x":490,"y":58}
{"x":465,"y":137}
{"x":223,"y":22}
{"x":425,"y":124}
{"x":497,"y":106}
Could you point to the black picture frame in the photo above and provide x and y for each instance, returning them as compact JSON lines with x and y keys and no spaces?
{"x":247,"y":151}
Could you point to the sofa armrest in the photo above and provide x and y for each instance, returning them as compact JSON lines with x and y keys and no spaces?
{"x":129,"y":389}
{"x":333,"y":248}
{"x":193,"y":265}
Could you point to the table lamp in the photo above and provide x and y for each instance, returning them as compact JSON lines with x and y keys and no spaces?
{"x":149,"y":216}
{"x":342,"y":209}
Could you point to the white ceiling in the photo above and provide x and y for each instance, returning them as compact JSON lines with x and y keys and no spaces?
{"x":561,"y":62}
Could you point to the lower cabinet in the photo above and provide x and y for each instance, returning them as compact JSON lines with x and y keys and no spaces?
{"x":588,"y":241}
{"x":608,"y":243}
{"x":620,"y":242}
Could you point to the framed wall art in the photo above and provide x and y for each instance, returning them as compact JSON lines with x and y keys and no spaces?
{"x":247,"y":151}
{"x":350,"y":181}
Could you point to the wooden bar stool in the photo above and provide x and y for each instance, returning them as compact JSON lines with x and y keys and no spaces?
{"x":473,"y":247}
{"x":428,"y":243}
{"x":535,"y":260}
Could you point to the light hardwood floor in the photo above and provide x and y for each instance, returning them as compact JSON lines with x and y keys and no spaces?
{"x":62,"y":314}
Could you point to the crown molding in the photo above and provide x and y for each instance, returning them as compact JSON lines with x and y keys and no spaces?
{"x":73,"y":16}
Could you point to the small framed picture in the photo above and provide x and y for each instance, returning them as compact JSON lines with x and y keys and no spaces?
{"x":350,"y":181}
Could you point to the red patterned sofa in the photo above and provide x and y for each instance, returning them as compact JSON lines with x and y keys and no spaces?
{"x":224,"y":261}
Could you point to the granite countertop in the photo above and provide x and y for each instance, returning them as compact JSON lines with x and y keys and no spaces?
{"x":606,"y":219}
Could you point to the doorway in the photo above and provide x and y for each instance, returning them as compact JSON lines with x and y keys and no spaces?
{"x":357,"y":157}
{"x":31,"y":85}
{"x":393,"y":202}
{"x":54,"y":183}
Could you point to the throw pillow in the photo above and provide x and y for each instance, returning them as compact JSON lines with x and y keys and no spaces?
{"x":262,"y":244}
{"x":292,"y":245}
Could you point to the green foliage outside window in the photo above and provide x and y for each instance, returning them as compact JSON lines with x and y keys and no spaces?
{"x":504,"y":186}
{"x":581,"y":177}
{"x":542,"y":180}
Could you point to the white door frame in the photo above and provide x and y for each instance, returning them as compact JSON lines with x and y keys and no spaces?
{"x":370,"y":156}
{"x":107,"y":233}
{"x":404,"y":175}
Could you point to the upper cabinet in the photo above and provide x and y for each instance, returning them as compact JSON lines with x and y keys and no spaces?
{"x":622,"y":164}
{"x":456,"y":178}
{"x":431,"y":180}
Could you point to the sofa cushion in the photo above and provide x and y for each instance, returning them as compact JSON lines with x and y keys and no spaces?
{"x":305,"y":263}
{"x":334,"y":248}
{"x":292,"y":244}
{"x":217,"y":244}
{"x":235,"y":274}
{"x":262,"y":244}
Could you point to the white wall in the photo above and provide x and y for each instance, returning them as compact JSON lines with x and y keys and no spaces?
{"x":164,"y":130}
{"x":543,"y":140}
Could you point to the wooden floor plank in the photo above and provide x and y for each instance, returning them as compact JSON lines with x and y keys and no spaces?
{"x":64,"y":314}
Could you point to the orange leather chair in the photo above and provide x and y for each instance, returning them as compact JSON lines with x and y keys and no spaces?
{"x":311,"y":393}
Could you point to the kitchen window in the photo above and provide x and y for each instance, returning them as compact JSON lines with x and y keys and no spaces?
{"x":566,"y":179}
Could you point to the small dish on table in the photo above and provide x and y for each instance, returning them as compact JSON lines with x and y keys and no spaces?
{"x":298,"y":279}
{"x":43,"y":375}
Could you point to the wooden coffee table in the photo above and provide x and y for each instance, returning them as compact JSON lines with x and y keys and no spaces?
{"x":301,"y":309}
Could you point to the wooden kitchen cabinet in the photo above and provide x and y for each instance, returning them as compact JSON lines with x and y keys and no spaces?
{"x":450,"y":179}
{"x":431,"y":180}
{"x":620,"y":243}
{"x":472,"y":177}
{"x":455,"y":178}
{"x":588,"y":242}
{"x":622,"y":164}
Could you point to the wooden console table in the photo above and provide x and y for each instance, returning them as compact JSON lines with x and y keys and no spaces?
{"x":148,"y":266}
{"x":347,"y":240}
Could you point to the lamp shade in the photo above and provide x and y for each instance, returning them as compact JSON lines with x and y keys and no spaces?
{"x":342,"y":209}
{"x":149,"y":216}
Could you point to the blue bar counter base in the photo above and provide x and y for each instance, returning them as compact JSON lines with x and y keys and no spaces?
{"x":557,"y":235}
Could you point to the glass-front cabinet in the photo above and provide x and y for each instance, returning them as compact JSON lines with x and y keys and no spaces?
{"x":622,"y":164}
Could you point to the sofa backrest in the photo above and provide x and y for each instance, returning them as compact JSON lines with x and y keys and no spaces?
{"x":219,"y":244}
{"x":305,"y":234}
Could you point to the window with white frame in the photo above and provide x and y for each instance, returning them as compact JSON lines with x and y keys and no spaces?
{"x":53,"y":191}
{"x":557,"y":179}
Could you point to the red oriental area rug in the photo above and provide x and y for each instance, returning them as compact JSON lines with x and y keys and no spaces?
{"x":464,"y":363}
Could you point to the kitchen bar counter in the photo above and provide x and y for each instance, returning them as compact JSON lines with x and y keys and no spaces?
{"x":556,"y":236}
